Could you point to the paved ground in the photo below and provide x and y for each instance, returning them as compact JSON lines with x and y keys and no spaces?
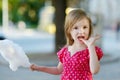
{"x":109,"y":64}
{"x":26,"y":74}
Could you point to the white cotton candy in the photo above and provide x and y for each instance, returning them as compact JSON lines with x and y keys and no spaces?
{"x":14,"y":54}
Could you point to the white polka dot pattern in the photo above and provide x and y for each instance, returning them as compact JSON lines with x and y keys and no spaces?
{"x":76,"y":67}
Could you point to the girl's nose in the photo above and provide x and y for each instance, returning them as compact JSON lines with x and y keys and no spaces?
{"x":81,"y":31}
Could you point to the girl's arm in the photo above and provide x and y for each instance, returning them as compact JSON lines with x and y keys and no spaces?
{"x":51,"y":70}
{"x":94,"y":63}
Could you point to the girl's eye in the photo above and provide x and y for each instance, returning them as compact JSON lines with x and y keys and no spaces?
{"x":75,"y":27}
{"x":84,"y":27}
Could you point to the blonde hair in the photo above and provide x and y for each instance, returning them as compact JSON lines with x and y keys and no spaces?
{"x":72,"y":17}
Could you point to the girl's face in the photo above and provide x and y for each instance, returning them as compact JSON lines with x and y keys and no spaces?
{"x":80,"y":30}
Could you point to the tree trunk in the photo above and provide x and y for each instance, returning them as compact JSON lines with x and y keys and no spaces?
{"x":60,"y":6}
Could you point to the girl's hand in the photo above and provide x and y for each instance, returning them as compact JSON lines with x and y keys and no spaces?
{"x":34,"y":67}
{"x":91,"y":40}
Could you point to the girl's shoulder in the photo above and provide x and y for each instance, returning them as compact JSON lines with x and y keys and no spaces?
{"x":62,"y":50}
{"x":99,"y":52}
{"x":98,"y":48}
{"x":61,"y":53}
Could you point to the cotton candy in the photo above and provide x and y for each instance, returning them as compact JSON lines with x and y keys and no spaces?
{"x":13,"y":54}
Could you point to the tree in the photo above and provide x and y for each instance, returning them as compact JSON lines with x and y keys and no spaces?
{"x":25,"y":10}
{"x":60,"y":6}
{"x":0,"y":12}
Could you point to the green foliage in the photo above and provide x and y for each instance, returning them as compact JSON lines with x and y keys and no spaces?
{"x":0,"y":12}
{"x":25,"y":10}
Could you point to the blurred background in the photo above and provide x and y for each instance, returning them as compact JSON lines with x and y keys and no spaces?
{"x":38,"y":27}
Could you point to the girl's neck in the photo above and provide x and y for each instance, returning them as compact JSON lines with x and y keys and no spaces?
{"x":79,"y":46}
{"x":76,"y":47}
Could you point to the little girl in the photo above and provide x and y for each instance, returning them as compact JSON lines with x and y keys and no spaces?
{"x":79,"y":59}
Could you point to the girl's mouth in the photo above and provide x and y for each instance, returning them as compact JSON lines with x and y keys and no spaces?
{"x":80,"y":38}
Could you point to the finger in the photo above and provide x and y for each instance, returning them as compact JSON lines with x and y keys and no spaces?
{"x":32,"y":67}
{"x":97,"y":37}
{"x":83,"y":40}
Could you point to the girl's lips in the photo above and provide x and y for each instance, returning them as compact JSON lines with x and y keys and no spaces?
{"x":80,"y":38}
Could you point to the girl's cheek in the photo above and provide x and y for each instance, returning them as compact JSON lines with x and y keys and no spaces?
{"x":87,"y":37}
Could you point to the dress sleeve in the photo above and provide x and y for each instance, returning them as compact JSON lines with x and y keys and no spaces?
{"x":99,"y":52}
{"x":60,"y":54}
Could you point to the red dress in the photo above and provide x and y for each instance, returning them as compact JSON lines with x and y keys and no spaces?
{"x":76,"y":67}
